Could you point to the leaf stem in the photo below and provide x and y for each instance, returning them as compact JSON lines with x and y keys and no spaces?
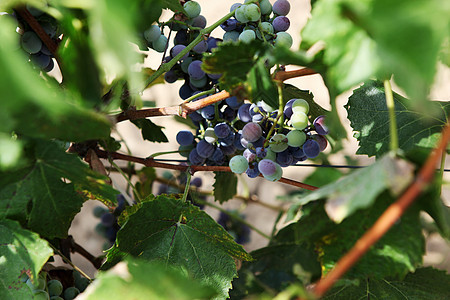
{"x":138,"y":197}
{"x":212,"y":90}
{"x":187,"y":186}
{"x":70,"y":263}
{"x":392,"y":119}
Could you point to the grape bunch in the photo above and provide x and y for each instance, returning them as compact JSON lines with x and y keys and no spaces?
{"x":108,"y":226}
{"x":275,"y":140}
{"x":238,"y":230}
{"x":49,"y":286}
{"x":39,"y":55}
{"x":263,"y":21}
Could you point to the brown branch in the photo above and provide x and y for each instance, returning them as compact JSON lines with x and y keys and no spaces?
{"x":285,"y":75}
{"x":150,"y":162}
{"x":178,"y":110}
{"x":37,"y":28}
{"x":387,"y":219}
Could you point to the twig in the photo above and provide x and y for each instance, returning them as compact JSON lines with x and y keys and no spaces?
{"x":387,"y":219}
{"x":150,"y":162}
{"x":285,"y":75}
{"x":69,"y":262}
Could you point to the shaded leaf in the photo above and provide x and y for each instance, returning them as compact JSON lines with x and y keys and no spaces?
{"x":180,"y":234}
{"x":225,"y":186}
{"x":423,"y":284}
{"x":360,"y":188}
{"x":261,"y":85}
{"x":369,"y":117}
{"x":150,"y":131}
{"x":140,"y":279}
{"x":22,"y":253}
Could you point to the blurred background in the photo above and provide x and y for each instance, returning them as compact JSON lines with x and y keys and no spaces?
{"x":261,"y":216}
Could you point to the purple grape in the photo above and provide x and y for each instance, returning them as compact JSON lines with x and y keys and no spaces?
{"x":214,"y":76}
{"x":195,"y":69}
{"x":252,"y":171}
{"x":212,"y":43}
{"x":249,"y":156}
{"x":222,"y":130}
{"x":196,"y":159}
{"x":267,"y":167}
{"x":185,"y":138}
{"x":181,"y":38}
{"x":319,"y":125}
{"x":259,"y":142}
{"x":229,"y":114}
{"x":197,"y":182}
{"x":218,"y":156}
{"x":288,"y":109}
{"x":40,"y":60}
{"x":233,"y":102}
{"x":234,"y":6}
{"x":185,"y":91}
{"x":50,"y":66}
{"x":228,"y":150}
{"x":261,"y":152}
{"x":177,"y":49}
{"x":170,"y":76}
{"x":311,"y":148}
{"x":237,"y":141}
{"x":111,"y":234}
{"x":244,"y":113}
{"x":285,"y":158}
{"x":251,"y":132}
{"x":281,"y":7}
{"x":199,"y":21}
{"x":228,"y":140}
{"x":205,"y":149}
{"x":200,"y":48}
{"x":229,"y":25}
{"x":108,"y":219}
{"x":321,"y":140}
{"x":208,"y":112}
{"x":281,"y":23}
{"x":195,"y":116}
{"x":297,"y":153}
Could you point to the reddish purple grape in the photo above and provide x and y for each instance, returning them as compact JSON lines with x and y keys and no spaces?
{"x":251,"y":132}
{"x":281,"y":7}
{"x":311,"y":148}
{"x":281,"y":23}
{"x":319,"y":125}
{"x":321,"y":140}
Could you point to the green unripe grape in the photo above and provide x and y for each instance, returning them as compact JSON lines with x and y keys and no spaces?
{"x":283,"y":39}
{"x":152,"y":34}
{"x":252,"y":12}
{"x":271,"y":155}
{"x":267,"y":29}
{"x":185,"y":64}
{"x":70,"y":293}
{"x":40,"y":295}
{"x":296,"y":138}
{"x":99,"y":211}
{"x":210,"y":135}
{"x":39,"y":285}
{"x":231,"y":36}
{"x":82,"y":283}
{"x":265,"y":6}
{"x":247,"y":36}
{"x":277,"y":175}
{"x":198,"y":83}
{"x":238,"y":164}
{"x":240,"y":14}
{"x":54,"y":287}
{"x":160,"y":44}
{"x":100,"y":229}
{"x":300,"y":105}
{"x":278,"y":143}
{"x":192,"y":9}
{"x":299,"y":120}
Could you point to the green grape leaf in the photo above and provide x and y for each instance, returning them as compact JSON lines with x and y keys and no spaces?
{"x":22,"y":253}
{"x":398,"y":252}
{"x":182,"y":235}
{"x":371,"y":38}
{"x":276,"y":267}
{"x":173,"y":5}
{"x":424,"y":283}
{"x":225,"y":186}
{"x":369,"y":118}
{"x":38,"y":108}
{"x":187,"y":121}
{"x":234,"y":61}
{"x":261,"y":85}
{"x":360,"y":188}
{"x":150,"y":131}
{"x":10,"y":151}
{"x":140,"y":279}
{"x":38,"y":196}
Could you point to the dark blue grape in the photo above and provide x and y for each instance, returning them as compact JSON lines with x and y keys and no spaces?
{"x":214,"y":76}
{"x":195,"y":116}
{"x":218,"y":157}
{"x":228,"y":140}
{"x":208,"y":112}
{"x":237,"y":141}
{"x":181,"y":38}
{"x":285,"y":158}
{"x":200,"y":48}
{"x":228,"y":150}
{"x":244,"y":113}
{"x":50,"y":66}
{"x":229,"y":114}
{"x":121,"y":202}
{"x":212,"y":43}
{"x":185,"y":91}
{"x":195,"y":69}
{"x":108,"y":219}
{"x":196,"y":159}
{"x":40,"y":59}
{"x":205,"y":149}
{"x":252,"y":171}
{"x":233,"y":102}
{"x":185,"y":137}
{"x":197,"y":182}
{"x":288,"y":109}
{"x":311,"y":148}
{"x":170,"y":76}
{"x":261,"y":152}
{"x":111,"y":234}
{"x":176,"y":50}
{"x":281,"y":23}
{"x":222,"y":130}
{"x":297,"y":153}
{"x":229,"y":25}
{"x":199,"y":21}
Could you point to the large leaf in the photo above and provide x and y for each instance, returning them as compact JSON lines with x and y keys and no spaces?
{"x":423,"y":284}
{"x":376,"y":38}
{"x":38,"y":196}
{"x":360,"y":188}
{"x":22,"y":253}
{"x":369,"y":117}
{"x":276,"y":267}
{"x":38,"y":108}
{"x":140,"y":279}
{"x":225,"y":186}
{"x":398,"y":252}
{"x":261,"y":85}
{"x":150,"y":131}
{"x":180,"y":234}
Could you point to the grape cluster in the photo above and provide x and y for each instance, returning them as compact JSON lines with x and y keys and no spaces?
{"x":108,"y":226}
{"x":261,"y":21}
{"x":39,"y":55}
{"x":48,"y":287}
{"x":274,"y":141}
{"x":238,"y":230}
